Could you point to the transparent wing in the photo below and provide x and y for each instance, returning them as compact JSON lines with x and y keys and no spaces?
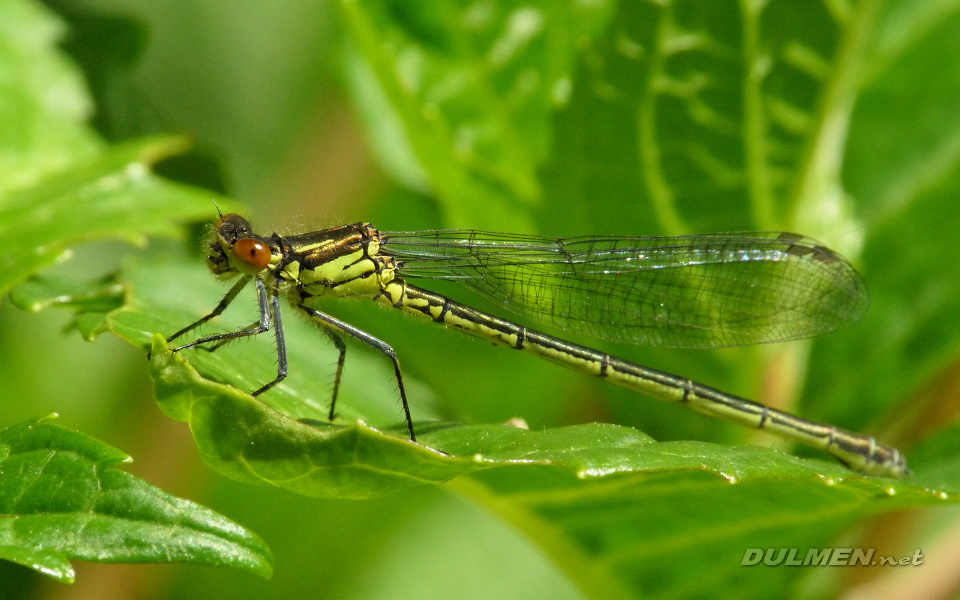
{"x":695,"y":291}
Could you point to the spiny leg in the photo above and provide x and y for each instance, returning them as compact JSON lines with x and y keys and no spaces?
{"x":254,"y":329}
{"x":224,"y":337}
{"x":216,"y":311}
{"x":342,"y":347}
{"x":251,"y":328}
{"x":328,"y":322}
{"x":281,"y":346}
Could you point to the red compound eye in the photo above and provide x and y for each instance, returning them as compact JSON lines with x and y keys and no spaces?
{"x":253,"y":252}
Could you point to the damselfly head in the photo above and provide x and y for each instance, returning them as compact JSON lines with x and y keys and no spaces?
{"x":236,"y":249}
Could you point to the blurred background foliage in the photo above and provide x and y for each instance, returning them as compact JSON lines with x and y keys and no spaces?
{"x":838,"y":119}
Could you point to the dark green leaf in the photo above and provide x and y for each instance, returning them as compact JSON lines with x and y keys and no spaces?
{"x":61,"y":498}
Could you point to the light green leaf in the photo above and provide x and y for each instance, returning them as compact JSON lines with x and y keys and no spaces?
{"x":467,"y":108}
{"x":45,"y":103}
{"x":112,"y":194}
{"x":247,"y":440}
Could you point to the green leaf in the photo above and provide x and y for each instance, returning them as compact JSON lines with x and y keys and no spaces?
{"x":247,"y":440}
{"x":112,"y":194}
{"x":90,"y":299}
{"x":40,"y":293}
{"x":59,"y":184}
{"x":61,"y":498}
{"x":45,"y":104}
{"x":681,"y":533}
{"x":467,"y":109}
{"x":904,"y":167}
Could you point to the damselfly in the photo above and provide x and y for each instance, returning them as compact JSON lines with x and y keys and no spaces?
{"x":697,"y":291}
